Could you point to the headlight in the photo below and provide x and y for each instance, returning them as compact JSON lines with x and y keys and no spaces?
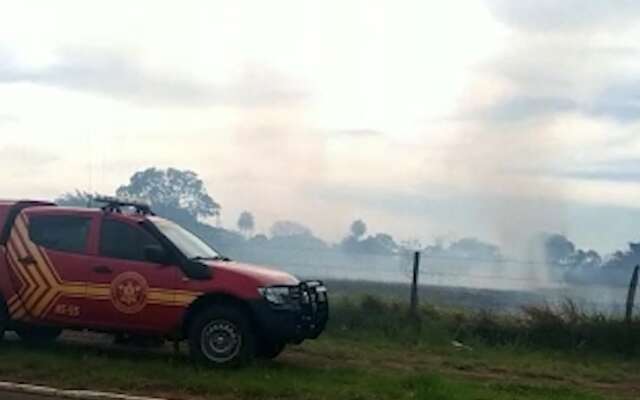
{"x":278,"y":295}
{"x":322,"y":293}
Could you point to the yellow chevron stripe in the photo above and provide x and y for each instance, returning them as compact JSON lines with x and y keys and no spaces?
{"x":160,"y":297}
{"x":56,"y":276}
{"x":13,"y":263}
{"x":98,"y":291}
{"x":14,"y":308}
{"x":36,"y":289}
{"x":12,"y":300}
{"x":43,"y":267}
{"x":171,"y":296}
{"x":96,"y":285}
{"x":188,"y":298}
{"x":45,"y":302}
{"x":18,"y":309}
{"x":42,"y":291}
{"x":12,"y":267}
{"x":52,"y":274}
{"x":51,"y":304}
{"x":176,"y":292}
{"x":74,"y":291}
{"x":29,"y":286}
{"x":40,"y":288}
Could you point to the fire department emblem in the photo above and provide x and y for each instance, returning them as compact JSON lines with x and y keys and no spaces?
{"x":129,"y":292}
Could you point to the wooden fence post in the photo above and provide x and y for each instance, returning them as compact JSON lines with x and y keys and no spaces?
{"x":631,"y":296}
{"x":414,"y":285}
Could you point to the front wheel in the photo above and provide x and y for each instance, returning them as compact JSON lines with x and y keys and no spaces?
{"x":38,"y":334}
{"x":222,"y":336}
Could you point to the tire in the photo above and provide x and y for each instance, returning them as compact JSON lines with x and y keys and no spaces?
{"x":222,"y":336}
{"x":269,"y":350}
{"x":38,"y":334}
{"x":4,"y":318}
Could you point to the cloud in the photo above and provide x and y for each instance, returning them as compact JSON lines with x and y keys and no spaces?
{"x":554,"y":65}
{"x":17,"y":161}
{"x":619,"y":101}
{"x":540,"y":78}
{"x":526,"y":107}
{"x":541,"y":116}
{"x":565,"y":15}
{"x":22,"y":154}
{"x":359,"y":132}
{"x":6,"y":119}
{"x":120,"y":76}
{"x":622,"y":170}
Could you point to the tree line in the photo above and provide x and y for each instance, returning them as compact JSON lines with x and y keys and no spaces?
{"x":180,"y":195}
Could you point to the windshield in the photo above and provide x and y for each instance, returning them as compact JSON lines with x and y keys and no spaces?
{"x":188,"y":243}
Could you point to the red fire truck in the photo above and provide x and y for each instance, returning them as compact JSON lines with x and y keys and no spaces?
{"x":122,"y":270}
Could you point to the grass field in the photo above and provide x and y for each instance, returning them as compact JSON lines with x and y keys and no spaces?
{"x":330,"y":369}
{"x":366,"y":354}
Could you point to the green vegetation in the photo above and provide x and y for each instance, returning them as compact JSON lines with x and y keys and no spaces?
{"x":370,"y":351}
{"x":564,"y":327}
{"x":296,"y":376}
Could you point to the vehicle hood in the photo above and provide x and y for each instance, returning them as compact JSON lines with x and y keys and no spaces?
{"x":264,"y":276}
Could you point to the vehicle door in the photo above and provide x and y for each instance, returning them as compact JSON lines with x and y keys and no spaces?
{"x":141,"y":292}
{"x":49,"y":254}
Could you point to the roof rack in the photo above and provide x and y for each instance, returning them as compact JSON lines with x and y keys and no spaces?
{"x":115,"y":205}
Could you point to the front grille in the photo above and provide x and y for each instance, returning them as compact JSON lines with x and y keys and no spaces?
{"x":313,"y":293}
{"x":314,"y":305}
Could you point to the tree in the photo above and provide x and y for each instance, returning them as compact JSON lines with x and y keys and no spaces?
{"x":174,"y":194}
{"x":297,"y":242}
{"x":381,"y":243}
{"x":558,"y":250}
{"x":77,"y":199}
{"x":586,"y":259}
{"x":358,"y":228}
{"x":169,"y":190}
{"x":246,"y":222}
{"x":473,"y":248}
{"x":289,"y":228}
{"x":624,"y":260}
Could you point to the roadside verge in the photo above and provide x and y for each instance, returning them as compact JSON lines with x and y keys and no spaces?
{"x":66,"y":393}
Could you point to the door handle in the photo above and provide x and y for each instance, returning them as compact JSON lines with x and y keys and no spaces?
{"x":27,"y":260}
{"x":102,"y":269}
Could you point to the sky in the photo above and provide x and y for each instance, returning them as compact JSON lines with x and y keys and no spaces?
{"x":426,"y":119}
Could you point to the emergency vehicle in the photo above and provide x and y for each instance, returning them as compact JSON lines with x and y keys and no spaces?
{"x":122,"y":270}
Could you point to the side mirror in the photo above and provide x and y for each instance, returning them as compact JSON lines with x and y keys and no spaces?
{"x":155,"y":254}
{"x":197,"y":271}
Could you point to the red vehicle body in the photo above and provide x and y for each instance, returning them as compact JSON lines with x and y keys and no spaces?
{"x":138,"y":275}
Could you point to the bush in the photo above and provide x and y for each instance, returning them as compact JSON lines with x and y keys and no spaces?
{"x":564,"y":327}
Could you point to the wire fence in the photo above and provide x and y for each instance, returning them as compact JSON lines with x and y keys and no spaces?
{"x":504,"y":284}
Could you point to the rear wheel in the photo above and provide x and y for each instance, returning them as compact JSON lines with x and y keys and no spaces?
{"x":269,"y":350}
{"x":4,"y":318}
{"x":222,"y":336}
{"x":33,"y":334}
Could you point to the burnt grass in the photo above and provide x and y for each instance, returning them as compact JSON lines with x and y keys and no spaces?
{"x":463,"y":298}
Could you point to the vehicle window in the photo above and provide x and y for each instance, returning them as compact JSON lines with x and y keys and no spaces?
{"x":60,"y":232}
{"x":190,"y":245}
{"x":121,"y":240}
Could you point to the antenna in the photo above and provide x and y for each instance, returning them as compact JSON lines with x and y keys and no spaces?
{"x":115,"y":205}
